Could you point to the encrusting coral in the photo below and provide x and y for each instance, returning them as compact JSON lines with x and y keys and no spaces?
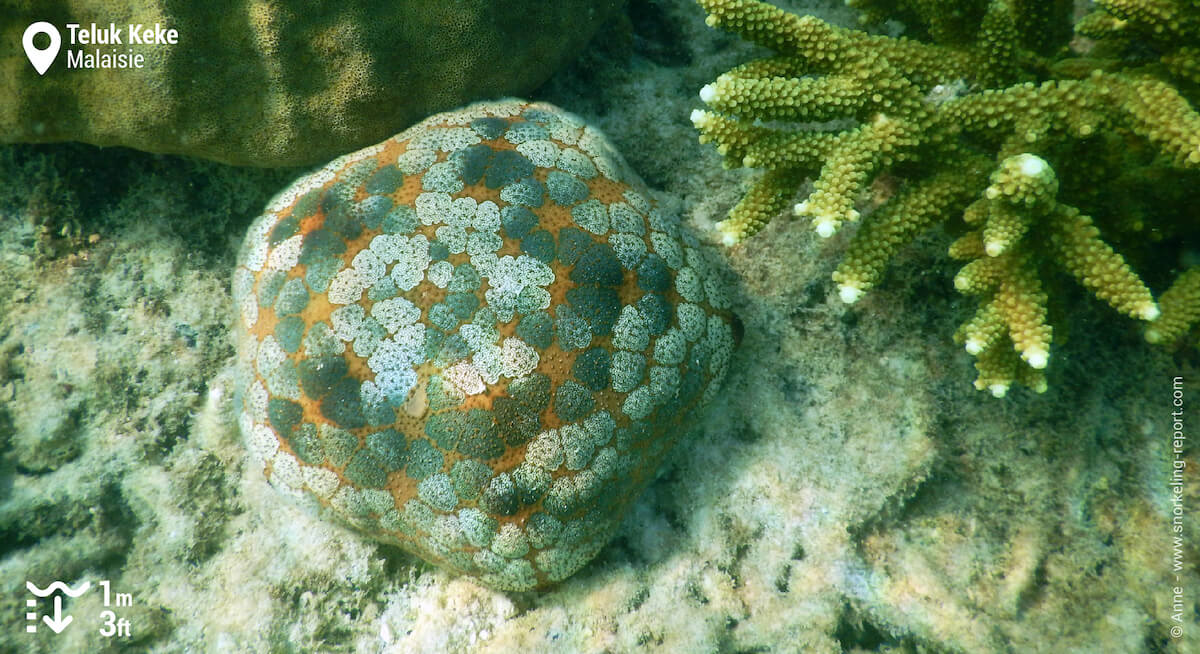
{"x":475,"y":340}
{"x":985,"y":118}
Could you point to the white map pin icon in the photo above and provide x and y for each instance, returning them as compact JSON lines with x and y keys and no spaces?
{"x":41,"y":59}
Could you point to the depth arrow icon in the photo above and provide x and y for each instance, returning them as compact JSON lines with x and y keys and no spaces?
{"x":58,"y":623}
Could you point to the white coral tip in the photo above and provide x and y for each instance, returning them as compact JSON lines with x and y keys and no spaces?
{"x":708,"y":92}
{"x":1149,"y":312}
{"x":849,"y":293}
{"x":1032,"y":165}
{"x":825,"y":227}
{"x":801,"y":208}
{"x":993,"y":248}
{"x":974,"y":346}
{"x":699,"y":117}
{"x":1036,"y":357}
{"x":998,"y":389}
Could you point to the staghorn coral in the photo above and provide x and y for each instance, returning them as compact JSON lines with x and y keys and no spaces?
{"x":1180,"y":305}
{"x":1159,"y":36}
{"x":1038,"y":153}
{"x":476,"y":340}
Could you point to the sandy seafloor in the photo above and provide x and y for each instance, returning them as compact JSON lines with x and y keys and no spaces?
{"x":850,"y":491}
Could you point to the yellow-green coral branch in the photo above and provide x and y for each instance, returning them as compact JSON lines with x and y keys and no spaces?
{"x":1160,"y":115}
{"x":787,"y":98}
{"x":1003,"y":228}
{"x":1185,"y":63}
{"x":1180,"y":306}
{"x":1165,"y":16}
{"x":802,"y":151}
{"x":896,"y":224}
{"x":999,"y":367}
{"x":733,"y":137}
{"x":938,"y":119}
{"x":1022,"y":304}
{"x":822,"y":44}
{"x":774,"y":28}
{"x":848,"y":168}
{"x":982,"y":331}
{"x":981,"y":275}
{"x":768,"y":196}
{"x":1077,"y":243}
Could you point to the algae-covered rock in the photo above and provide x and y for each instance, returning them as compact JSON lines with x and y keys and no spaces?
{"x":280,"y":83}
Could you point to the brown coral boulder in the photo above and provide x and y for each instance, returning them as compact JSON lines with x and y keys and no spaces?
{"x":275,"y":83}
